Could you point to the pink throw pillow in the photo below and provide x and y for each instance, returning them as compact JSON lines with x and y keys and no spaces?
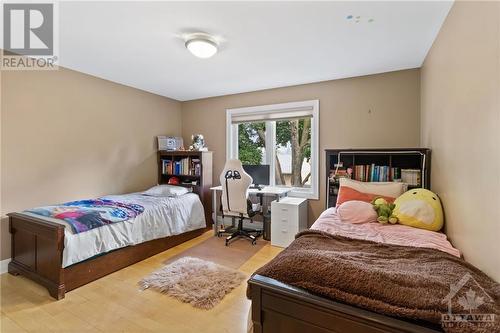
{"x":357,"y":212}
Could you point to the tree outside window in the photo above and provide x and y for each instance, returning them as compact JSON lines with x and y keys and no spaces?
{"x":252,"y":143}
{"x":292,"y":151}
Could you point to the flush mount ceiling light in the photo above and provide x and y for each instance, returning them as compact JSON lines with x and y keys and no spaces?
{"x":201,"y":45}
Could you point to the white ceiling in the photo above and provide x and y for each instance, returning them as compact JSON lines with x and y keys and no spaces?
{"x":262,"y":44}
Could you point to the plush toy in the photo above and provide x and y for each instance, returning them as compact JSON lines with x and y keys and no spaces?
{"x":384,"y":211}
{"x":419,"y":208}
{"x":198,"y":143}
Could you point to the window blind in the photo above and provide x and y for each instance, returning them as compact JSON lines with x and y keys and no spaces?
{"x":272,"y":115}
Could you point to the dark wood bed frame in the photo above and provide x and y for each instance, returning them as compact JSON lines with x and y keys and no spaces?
{"x":280,"y":308}
{"x":38,"y":244}
{"x":37,"y":249}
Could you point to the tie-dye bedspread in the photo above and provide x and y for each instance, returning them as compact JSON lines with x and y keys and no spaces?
{"x":84,"y":215}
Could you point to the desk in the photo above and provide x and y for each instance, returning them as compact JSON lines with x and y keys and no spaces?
{"x":272,"y":191}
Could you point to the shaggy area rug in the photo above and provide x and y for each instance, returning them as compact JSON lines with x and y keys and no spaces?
{"x":201,"y":283}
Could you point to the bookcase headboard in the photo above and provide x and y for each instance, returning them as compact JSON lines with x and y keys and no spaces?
{"x":410,"y":165}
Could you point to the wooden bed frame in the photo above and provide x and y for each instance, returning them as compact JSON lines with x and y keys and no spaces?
{"x":37,"y":249}
{"x":280,"y":308}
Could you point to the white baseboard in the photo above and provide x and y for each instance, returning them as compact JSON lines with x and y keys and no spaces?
{"x":3,"y":265}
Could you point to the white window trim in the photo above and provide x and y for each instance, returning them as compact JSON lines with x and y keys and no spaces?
{"x":313,"y":106}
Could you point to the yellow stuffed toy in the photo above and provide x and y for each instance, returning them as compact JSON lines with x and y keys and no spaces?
{"x":419,"y":208}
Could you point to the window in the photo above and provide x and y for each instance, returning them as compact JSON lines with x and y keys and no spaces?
{"x":283,"y":136}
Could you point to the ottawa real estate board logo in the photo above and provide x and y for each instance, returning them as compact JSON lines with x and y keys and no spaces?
{"x":469,"y":298}
{"x":30,"y":32}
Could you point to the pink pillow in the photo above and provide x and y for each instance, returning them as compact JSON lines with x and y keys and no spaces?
{"x":357,"y":212}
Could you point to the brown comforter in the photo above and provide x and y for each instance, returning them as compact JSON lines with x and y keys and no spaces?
{"x":399,"y":281}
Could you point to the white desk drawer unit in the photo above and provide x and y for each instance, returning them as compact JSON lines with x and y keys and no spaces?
{"x":288,"y":217}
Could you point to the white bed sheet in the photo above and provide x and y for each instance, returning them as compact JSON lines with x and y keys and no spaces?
{"x":162,"y":217}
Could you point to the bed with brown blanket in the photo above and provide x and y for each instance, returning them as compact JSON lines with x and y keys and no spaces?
{"x":331,"y":283}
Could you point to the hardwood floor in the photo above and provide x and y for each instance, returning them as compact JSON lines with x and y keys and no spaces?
{"x":115,"y":303}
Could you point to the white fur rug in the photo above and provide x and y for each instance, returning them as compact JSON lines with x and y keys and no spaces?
{"x":201,"y":283}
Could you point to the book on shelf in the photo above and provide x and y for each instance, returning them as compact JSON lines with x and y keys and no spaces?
{"x":376,"y":173}
{"x":412,"y":177}
{"x":187,"y":166}
{"x":339,"y":173}
{"x":373,"y":173}
{"x":196,"y":166}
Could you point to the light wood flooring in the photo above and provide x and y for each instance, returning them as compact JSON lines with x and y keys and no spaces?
{"x":115,"y":303}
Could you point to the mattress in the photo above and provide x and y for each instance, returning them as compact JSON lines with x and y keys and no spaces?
{"x":397,"y":234}
{"x":162,"y":217}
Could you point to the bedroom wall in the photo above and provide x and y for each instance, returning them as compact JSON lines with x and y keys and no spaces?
{"x":393,"y":98}
{"x":460,"y":88}
{"x":67,"y":135}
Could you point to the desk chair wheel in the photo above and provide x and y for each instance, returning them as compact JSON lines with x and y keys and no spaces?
{"x":221,"y":232}
{"x":254,"y":242}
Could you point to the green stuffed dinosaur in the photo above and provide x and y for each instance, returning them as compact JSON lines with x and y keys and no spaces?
{"x":384,"y":211}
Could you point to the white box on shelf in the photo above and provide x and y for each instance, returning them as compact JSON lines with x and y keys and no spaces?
{"x":288,"y":217}
{"x":170,"y":143}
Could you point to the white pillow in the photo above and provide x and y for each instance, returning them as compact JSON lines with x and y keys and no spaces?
{"x":387,"y":189}
{"x":166,"y":191}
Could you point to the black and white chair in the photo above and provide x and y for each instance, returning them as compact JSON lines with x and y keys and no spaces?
{"x":235,"y":203}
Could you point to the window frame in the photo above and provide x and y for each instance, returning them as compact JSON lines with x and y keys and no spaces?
{"x":311,"y":107}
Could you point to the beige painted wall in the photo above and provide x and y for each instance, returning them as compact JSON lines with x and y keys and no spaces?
{"x":66,"y":135}
{"x":393,"y":98}
{"x":460,"y":88}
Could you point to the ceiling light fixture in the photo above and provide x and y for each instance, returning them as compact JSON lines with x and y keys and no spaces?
{"x":201,"y":45}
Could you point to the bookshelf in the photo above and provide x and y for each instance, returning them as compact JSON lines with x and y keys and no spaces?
{"x":410,"y":165}
{"x":193,"y":169}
